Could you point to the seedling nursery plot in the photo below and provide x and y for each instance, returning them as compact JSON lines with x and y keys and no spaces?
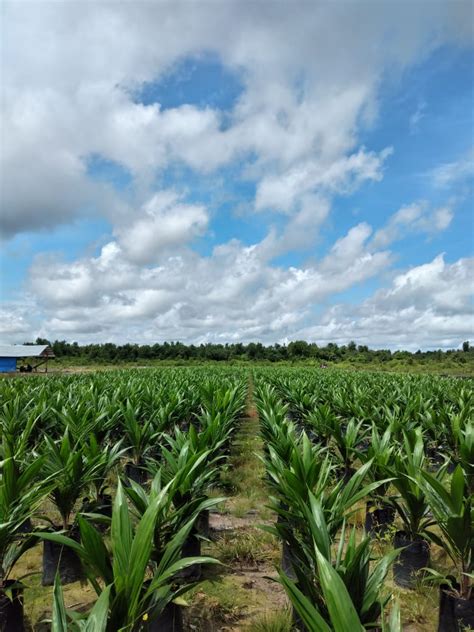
{"x":210,"y":498}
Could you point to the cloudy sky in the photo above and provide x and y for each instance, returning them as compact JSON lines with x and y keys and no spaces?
{"x":238,"y":170}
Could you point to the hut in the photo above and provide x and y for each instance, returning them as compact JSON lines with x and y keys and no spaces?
{"x":33,"y":356}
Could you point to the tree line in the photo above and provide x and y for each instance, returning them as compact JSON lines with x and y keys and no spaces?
{"x":253,"y":351}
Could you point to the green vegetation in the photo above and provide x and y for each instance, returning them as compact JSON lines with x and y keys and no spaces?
{"x":350,"y":356}
{"x":212,"y":498}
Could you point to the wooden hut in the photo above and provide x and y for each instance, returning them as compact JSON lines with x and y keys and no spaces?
{"x":31,"y":357}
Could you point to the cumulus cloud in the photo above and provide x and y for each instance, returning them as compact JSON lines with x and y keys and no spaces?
{"x":283,"y":191}
{"x":427,"y":306}
{"x":296,"y":120}
{"x":163,"y":222}
{"x":71,"y":83}
{"x":235,"y":291}
{"x":16,"y":322}
{"x":413,"y":218}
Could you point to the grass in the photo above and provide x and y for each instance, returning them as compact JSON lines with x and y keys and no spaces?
{"x":279,"y":621}
{"x":215,"y":603}
{"x":248,"y":548}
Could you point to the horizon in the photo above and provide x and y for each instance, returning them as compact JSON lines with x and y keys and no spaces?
{"x":358,"y":348}
{"x":235,"y":173}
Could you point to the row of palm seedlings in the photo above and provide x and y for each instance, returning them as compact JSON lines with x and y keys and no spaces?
{"x":324,"y":459}
{"x":117,"y":495}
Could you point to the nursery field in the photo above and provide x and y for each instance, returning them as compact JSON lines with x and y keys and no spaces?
{"x":228,"y":498}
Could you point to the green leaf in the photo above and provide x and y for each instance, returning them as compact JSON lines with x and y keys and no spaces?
{"x":95,"y":552}
{"x":457,"y":488}
{"x":121,"y":539}
{"x":97,"y":619}
{"x":339,"y":604}
{"x":140,"y":552}
{"x":308,"y":613}
{"x":59,"y":622}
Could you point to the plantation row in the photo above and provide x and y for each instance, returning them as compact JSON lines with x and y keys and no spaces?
{"x":115,"y":474}
{"x":159,"y":440}
{"x":402,"y":448}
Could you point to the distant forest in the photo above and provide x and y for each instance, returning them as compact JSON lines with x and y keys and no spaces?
{"x":253,"y":351}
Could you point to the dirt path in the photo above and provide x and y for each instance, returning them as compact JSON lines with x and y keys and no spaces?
{"x":242,"y":595}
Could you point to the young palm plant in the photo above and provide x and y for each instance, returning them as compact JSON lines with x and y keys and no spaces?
{"x":191,"y":471}
{"x":412,"y":507}
{"x":341,"y":612}
{"x":347,"y":439}
{"x":105,"y":458}
{"x":140,"y":438}
{"x":73,"y":475}
{"x":363,"y":581}
{"x":381,"y":451}
{"x":21,"y":492}
{"x":170,"y":517}
{"x":138,"y":590}
{"x":453,"y":512}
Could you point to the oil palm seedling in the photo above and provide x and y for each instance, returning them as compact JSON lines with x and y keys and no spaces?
{"x":104,"y":459}
{"x":18,"y":423}
{"x":212,"y":438}
{"x":352,"y":561}
{"x":229,"y":401}
{"x":303,"y":478}
{"x":292,"y":480}
{"x":338,"y":612}
{"x":346,"y":439}
{"x":140,"y":438}
{"x":191,"y":473}
{"x":139,"y":591}
{"x":412,"y":508}
{"x":381,"y":452}
{"x":337,"y":501}
{"x":22,"y":489}
{"x":451,"y":506}
{"x":321,"y":421}
{"x":73,"y":476}
{"x":81,"y":420}
{"x":171,"y":517}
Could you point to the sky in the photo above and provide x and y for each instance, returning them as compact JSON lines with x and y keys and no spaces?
{"x":238,"y":171}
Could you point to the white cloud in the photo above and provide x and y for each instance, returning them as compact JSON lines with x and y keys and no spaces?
{"x":449,"y":173}
{"x":70,"y":79}
{"x":236,"y":294}
{"x":413,"y":218}
{"x":341,"y":176}
{"x":163,"y":222}
{"x":416,"y":117}
{"x":15,"y":322}
{"x":428,"y":306}
{"x":70,"y":73}
{"x":190,"y":297}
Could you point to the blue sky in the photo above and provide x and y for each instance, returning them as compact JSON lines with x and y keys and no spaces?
{"x":225,"y":188}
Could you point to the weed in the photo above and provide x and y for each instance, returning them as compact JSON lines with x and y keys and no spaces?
{"x":247,"y":548}
{"x":279,"y":621}
{"x":217,"y":602}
